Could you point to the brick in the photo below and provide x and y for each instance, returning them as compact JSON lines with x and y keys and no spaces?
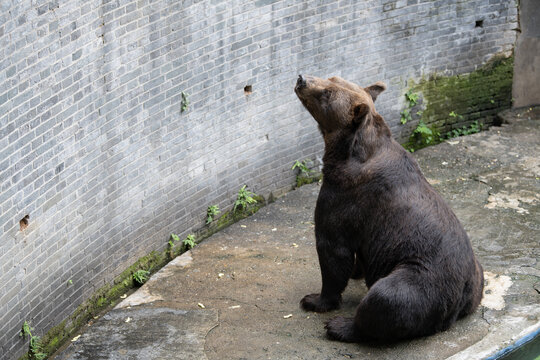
{"x":11,"y":71}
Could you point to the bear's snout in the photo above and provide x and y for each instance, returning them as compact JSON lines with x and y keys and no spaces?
{"x":300,"y":83}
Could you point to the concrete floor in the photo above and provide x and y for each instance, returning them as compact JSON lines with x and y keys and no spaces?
{"x":236,"y":295}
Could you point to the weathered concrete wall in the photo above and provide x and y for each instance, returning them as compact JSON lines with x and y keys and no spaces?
{"x":526,"y":86}
{"x":94,"y":146}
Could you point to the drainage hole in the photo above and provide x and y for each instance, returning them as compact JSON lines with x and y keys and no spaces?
{"x":24,"y":222}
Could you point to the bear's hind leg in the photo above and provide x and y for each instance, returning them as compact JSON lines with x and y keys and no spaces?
{"x":394,"y":308}
{"x":342,"y":329}
{"x":472,"y":294}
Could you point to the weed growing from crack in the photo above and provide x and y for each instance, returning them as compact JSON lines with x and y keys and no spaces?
{"x":189,"y":242}
{"x":211,"y":213}
{"x":243,"y":199}
{"x":141,"y":276}
{"x":472,"y":129}
{"x":185,"y":101}
{"x":424,"y":134}
{"x":304,"y":174}
{"x":35,"y":348}
{"x":172,"y":239}
{"x":302,"y":166}
{"x":412,"y":100}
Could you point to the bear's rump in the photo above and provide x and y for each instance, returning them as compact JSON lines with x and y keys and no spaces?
{"x":406,"y":304}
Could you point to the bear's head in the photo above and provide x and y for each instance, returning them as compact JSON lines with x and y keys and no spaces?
{"x":348,"y":121}
{"x":336,"y":103}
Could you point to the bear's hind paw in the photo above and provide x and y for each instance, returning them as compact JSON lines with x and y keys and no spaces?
{"x":342,"y":329}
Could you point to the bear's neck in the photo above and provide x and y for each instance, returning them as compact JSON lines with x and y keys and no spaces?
{"x":355,"y":143}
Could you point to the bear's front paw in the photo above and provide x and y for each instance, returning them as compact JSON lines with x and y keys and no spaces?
{"x":314,"y":302}
{"x":342,"y":329}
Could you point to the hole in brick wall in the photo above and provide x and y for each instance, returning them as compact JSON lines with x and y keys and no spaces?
{"x":479,"y":23}
{"x":247,"y":90}
{"x":24,"y":222}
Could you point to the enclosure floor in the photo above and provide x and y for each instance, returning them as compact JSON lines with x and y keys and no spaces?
{"x":236,"y":295}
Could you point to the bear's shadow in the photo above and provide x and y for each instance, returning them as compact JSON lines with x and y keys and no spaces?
{"x":351,"y":297}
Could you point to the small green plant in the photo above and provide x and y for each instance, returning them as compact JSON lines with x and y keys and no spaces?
{"x":211,"y":213}
{"x":424,"y":135}
{"x":141,"y":276}
{"x":185,"y":101}
{"x":304,"y":173}
{"x":405,"y":116}
{"x":472,"y":129}
{"x":475,"y":127}
{"x":302,"y":166}
{"x":26,"y":330}
{"x":412,"y":100}
{"x":455,"y":115}
{"x":189,"y":242}
{"x":172,"y":239}
{"x":35,"y":348}
{"x":243,"y":199}
{"x":464,"y":130}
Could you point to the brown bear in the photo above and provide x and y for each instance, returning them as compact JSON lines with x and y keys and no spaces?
{"x":378,"y":218}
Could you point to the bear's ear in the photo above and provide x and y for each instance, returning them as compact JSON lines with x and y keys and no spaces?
{"x":360,"y":112}
{"x":375,"y":89}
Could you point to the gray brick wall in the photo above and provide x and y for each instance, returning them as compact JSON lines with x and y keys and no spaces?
{"x":94,"y":146}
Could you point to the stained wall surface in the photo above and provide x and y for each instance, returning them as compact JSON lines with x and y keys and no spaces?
{"x":526,"y":87}
{"x":95,"y":149}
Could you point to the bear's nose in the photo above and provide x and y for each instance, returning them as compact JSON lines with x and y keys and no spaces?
{"x":301,"y":82}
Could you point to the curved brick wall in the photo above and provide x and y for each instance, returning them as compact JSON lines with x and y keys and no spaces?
{"x":94,"y":146}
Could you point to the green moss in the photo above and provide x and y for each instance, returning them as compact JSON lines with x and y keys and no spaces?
{"x":303,"y":180}
{"x":477,"y":96}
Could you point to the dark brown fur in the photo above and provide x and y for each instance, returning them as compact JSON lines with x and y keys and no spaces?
{"x":377,"y":217}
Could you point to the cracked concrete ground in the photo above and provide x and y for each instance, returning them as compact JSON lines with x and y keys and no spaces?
{"x":236,"y":295}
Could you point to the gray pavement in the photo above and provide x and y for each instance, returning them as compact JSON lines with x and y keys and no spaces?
{"x":236,"y":295}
